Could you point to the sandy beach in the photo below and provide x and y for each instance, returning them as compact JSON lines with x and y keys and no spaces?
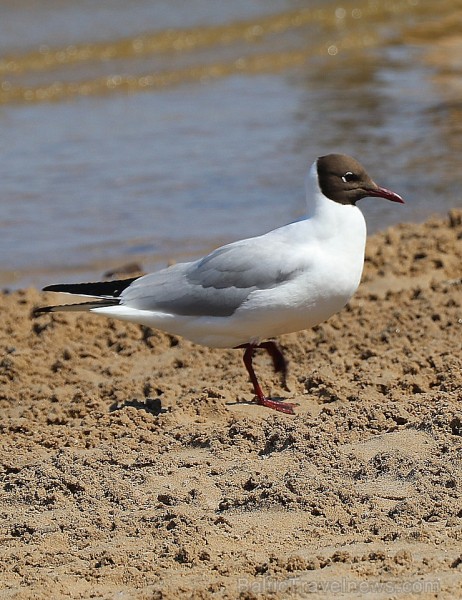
{"x":135,"y":465}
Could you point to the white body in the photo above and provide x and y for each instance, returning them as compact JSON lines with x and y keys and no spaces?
{"x":316,"y":265}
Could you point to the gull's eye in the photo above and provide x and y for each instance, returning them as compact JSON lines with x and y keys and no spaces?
{"x":349,"y":176}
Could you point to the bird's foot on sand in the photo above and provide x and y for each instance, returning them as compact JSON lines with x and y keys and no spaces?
{"x":280,"y":406}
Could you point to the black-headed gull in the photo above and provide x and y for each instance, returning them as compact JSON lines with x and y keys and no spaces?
{"x":244,"y":294}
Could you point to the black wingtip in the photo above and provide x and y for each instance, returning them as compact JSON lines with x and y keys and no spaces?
{"x":80,"y":306}
{"x":41,"y":310}
{"x":56,"y":287}
{"x":106,"y":289}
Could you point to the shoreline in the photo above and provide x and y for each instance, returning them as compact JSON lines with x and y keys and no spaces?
{"x":16,"y":279}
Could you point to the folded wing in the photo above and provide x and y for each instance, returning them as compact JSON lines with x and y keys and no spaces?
{"x":214,"y":286}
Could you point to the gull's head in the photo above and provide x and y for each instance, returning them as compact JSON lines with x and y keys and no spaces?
{"x":344,"y":180}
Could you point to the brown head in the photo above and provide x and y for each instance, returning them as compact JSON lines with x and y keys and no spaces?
{"x":342,"y":179}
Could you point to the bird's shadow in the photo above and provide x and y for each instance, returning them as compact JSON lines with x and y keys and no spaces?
{"x":154,"y":405}
{"x":150,"y":405}
{"x":254,"y":402}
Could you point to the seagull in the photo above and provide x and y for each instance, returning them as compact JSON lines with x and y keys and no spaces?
{"x":248,"y":292}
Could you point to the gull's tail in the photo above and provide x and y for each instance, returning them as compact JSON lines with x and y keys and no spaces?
{"x":108,"y":293}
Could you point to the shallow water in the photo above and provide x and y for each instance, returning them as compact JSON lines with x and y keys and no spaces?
{"x":141,"y":131}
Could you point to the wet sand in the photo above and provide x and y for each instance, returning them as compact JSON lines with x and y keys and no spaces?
{"x":135,"y":465}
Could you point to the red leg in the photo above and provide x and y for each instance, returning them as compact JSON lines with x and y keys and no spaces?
{"x":261,"y":399}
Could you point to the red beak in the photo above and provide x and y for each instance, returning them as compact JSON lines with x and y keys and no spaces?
{"x":381,"y":192}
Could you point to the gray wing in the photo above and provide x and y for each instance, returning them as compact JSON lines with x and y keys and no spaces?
{"x":216,"y":285}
